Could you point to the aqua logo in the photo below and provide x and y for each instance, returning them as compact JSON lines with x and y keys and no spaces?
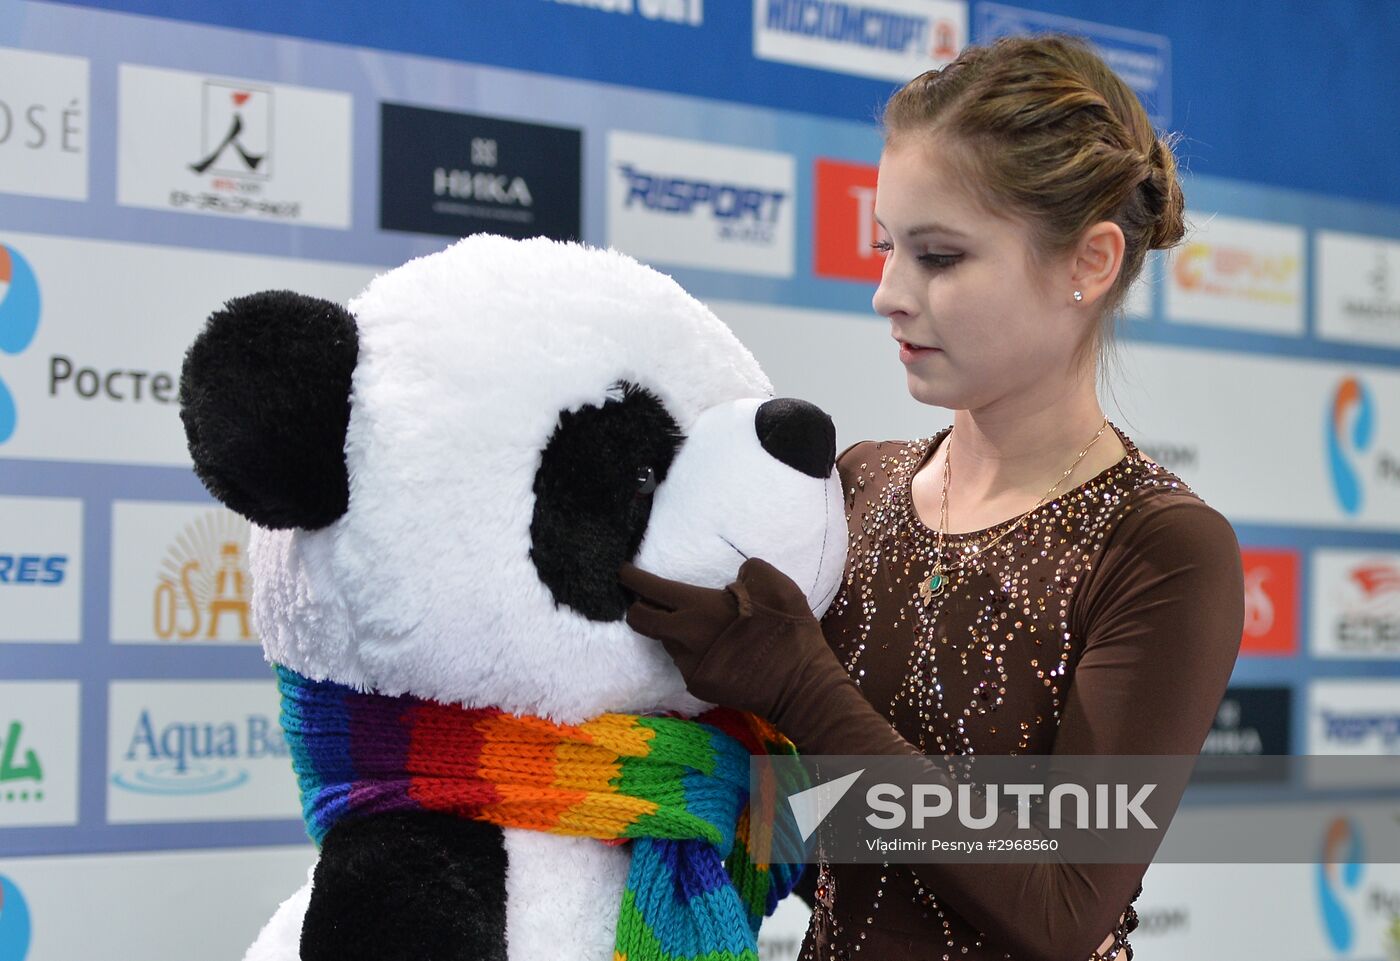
{"x":1350,"y":430}
{"x":14,"y":922}
{"x":1339,"y":870}
{"x":196,"y":757}
{"x":19,"y":321}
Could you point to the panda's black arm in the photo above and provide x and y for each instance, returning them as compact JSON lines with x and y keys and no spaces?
{"x":408,"y":887}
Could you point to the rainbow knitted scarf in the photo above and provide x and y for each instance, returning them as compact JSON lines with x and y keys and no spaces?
{"x":678,"y":788}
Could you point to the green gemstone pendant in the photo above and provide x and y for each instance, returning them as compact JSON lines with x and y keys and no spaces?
{"x":932,"y":587}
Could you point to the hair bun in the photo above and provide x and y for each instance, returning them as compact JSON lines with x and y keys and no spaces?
{"x":1164,"y":197}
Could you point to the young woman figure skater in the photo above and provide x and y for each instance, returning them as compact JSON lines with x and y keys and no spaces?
{"x":1025,"y":581}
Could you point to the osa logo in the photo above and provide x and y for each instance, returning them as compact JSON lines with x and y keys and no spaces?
{"x":14,"y":922}
{"x":1350,"y":430}
{"x":202,"y":590}
{"x":1339,"y":867}
{"x":19,"y":321}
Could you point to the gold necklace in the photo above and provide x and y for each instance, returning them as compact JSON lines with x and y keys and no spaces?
{"x":940,"y":578}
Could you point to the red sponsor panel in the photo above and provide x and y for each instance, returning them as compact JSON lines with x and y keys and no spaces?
{"x":845,"y":221}
{"x":1270,"y":601}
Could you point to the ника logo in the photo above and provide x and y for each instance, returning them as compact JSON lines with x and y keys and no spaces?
{"x":14,"y":922}
{"x":1350,"y":429}
{"x":19,"y":321}
{"x":1339,"y":868}
{"x":455,"y":173}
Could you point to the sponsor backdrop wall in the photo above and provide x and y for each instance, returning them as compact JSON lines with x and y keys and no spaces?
{"x":157,"y":158}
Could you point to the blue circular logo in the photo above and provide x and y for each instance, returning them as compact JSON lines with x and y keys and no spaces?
{"x":1350,"y":427}
{"x":14,"y":922}
{"x":19,"y":321}
{"x":1338,"y":874}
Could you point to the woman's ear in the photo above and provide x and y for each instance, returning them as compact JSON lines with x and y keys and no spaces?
{"x":265,"y":400}
{"x":1097,"y":260}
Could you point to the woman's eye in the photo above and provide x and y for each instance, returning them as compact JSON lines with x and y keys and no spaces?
{"x":939,"y":260}
{"x":646,"y":481}
{"x":932,"y":261}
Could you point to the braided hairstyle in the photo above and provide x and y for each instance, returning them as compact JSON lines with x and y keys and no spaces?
{"x":1041,"y":128}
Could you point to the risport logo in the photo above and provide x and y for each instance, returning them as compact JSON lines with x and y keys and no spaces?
{"x":19,"y":322}
{"x":14,"y":922}
{"x":1350,"y":429}
{"x":202,"y":587}
{"x":1338,"y":875}
{"x":701,"y":205}
{"x":740,"y":211}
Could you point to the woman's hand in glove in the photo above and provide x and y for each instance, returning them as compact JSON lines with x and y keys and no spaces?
{"x":756,"y":646}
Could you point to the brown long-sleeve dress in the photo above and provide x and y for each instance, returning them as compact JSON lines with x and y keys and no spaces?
{"x":1108,"y":623}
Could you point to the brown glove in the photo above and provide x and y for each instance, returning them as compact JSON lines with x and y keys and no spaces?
{"x":756,"y":646}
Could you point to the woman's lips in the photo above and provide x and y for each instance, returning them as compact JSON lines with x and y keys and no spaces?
{"x":910,"y":352}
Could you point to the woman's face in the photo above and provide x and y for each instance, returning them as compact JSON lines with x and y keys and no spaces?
{"x":977,"y":320}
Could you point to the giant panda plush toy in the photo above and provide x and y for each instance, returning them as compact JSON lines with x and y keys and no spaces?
{"x":443,"y":478}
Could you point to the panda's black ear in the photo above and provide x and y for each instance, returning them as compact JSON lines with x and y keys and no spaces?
{"x":265,"y":399}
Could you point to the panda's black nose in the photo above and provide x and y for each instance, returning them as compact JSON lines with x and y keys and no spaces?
{"x":797,"y":433}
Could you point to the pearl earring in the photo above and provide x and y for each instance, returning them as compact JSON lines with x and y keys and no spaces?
{"x":1078,"y":296}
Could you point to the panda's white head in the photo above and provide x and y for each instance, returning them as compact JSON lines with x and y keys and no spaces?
{"x":445,"y":477}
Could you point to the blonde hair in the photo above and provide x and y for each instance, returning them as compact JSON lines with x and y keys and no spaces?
{"x":1042,"y":129}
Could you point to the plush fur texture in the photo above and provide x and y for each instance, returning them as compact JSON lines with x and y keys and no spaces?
{"x":468,"y":358}
{"x":272,"y":446}
{"x":523,"y":416}
{"x":799,"y":434}
{"x":593,"y":495}
{"x":423,"y":886}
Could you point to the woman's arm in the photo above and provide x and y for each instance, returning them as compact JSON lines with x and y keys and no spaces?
{"x":1162,"y":619}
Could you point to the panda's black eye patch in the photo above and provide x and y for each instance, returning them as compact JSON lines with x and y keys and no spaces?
{"x":592,"y":496}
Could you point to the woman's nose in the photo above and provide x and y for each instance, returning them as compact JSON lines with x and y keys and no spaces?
{"x":887,"y":299}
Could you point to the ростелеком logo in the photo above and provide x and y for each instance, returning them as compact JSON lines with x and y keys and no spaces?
{"x":1338,"y":868}
{"x":1349,"y":431}
{"x":14,"y":922}
{"x":19,"y":322}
